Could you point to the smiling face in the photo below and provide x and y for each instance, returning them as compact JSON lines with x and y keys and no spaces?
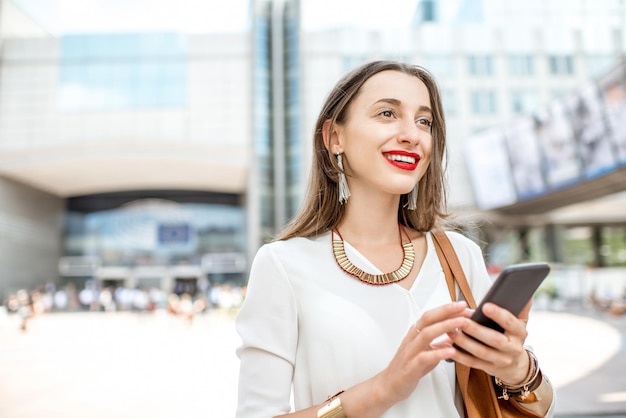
{"x":386,"y":138}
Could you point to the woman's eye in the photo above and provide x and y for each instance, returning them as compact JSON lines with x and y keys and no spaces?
{"x":386,"y":113}
{"x":427,"y":123}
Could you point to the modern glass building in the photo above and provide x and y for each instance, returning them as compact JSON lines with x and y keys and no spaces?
{"x":168,"y":157}
{"x":502,"y":67}
{"x":125,"y":159}
{"x":276,"y":181}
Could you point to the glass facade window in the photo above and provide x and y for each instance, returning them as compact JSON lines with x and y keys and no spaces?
{"x":561,"y":64}
{"x":483,"y":102}
{"x":613,"y":248}
{"x":426,"y":11}
{"x":480,"y":65}
{"x":524,"y":101}
{"x":262,"y":119}
{"x":119,"y":71}
{"x":521,"y":65}
{"x":352,"y":61}
{"x":277,"y":114}
{"x":293,"y":100}
{"x":440,"y":65}
{"x":155,"y":231}
{"x":557,"y":94}
{"x":599,"y":64}
{"x":471,"y":11}
{"x":578,"y":248}
{"x":449,"y":100}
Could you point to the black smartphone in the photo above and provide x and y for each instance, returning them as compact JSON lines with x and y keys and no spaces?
{"x":514,"y":287}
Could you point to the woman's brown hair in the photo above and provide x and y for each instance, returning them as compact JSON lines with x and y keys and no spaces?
{"x":321,"y":210}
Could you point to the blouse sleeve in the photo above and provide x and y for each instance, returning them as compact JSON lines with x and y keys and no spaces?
{"x":268,"y":326}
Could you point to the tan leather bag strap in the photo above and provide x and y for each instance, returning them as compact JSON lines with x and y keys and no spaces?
{"x":479,"y":397}
{"x":452,"y":268}
{"x":454,"y":272}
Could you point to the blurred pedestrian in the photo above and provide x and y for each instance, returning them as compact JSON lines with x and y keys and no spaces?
{"x":61,"y":300}
{"x":24,"y":308}
{"x":186,"y":307}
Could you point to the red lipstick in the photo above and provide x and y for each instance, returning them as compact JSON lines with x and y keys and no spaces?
{"x":403,"y":159}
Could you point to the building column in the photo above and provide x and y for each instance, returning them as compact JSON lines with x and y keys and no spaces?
{"x":596,"y":245}
{"x":523,"y":242}
{"x":553,"y":243}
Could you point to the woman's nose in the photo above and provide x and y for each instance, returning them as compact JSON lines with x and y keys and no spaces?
{"x":409,"y":133}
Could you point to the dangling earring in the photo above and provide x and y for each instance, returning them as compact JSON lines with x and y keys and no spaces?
{"x":411,"y":203}
{"x":344,"y":192}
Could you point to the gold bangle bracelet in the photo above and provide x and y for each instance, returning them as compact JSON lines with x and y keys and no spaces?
{"x":524,"y":389}
{"x":333,"y":409}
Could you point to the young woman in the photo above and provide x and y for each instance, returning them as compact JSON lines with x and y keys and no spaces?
{"x":351,"y":299}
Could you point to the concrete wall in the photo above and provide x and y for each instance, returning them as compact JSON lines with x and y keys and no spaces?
{"x":30,"y":236}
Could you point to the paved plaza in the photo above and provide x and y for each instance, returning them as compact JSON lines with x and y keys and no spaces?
{"x":97,"y":365}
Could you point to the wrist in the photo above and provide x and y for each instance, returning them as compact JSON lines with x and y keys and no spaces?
{"x":382,"y":392}
{"x":370,"y":398}
{"x":523,"y":390}
{"x":520,"y":373}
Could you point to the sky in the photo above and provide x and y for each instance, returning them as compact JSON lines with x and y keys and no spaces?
{"x":59,"y":17}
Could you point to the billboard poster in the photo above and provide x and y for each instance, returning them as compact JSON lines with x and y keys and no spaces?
{"x":174,"y":233}
{"x":590,"y":131}
{"x":558,"y":147}
{"x":525,"y":159}
{"x":489,"y":170}
{"x":613,"y":92}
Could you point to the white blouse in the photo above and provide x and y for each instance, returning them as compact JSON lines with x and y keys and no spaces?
{"x":309,"y":327}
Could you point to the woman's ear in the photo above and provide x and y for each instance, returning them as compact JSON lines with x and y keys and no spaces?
{"x":331,"y":137}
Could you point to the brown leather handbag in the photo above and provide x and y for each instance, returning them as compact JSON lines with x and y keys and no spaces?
{"x":477,"y":389}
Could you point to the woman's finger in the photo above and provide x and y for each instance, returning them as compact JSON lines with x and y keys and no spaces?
{"x":441,"y":313}
{"x":512,"y":325}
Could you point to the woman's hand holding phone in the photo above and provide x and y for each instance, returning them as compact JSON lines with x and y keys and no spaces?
{"x":499,"y":354}
{"x":494,"y":338}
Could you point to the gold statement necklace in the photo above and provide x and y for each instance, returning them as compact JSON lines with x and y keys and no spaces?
{"x":375,"y":279}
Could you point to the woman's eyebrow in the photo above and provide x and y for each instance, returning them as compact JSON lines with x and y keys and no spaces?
{"x":392,"y":101}
{"x":397,"y":102}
